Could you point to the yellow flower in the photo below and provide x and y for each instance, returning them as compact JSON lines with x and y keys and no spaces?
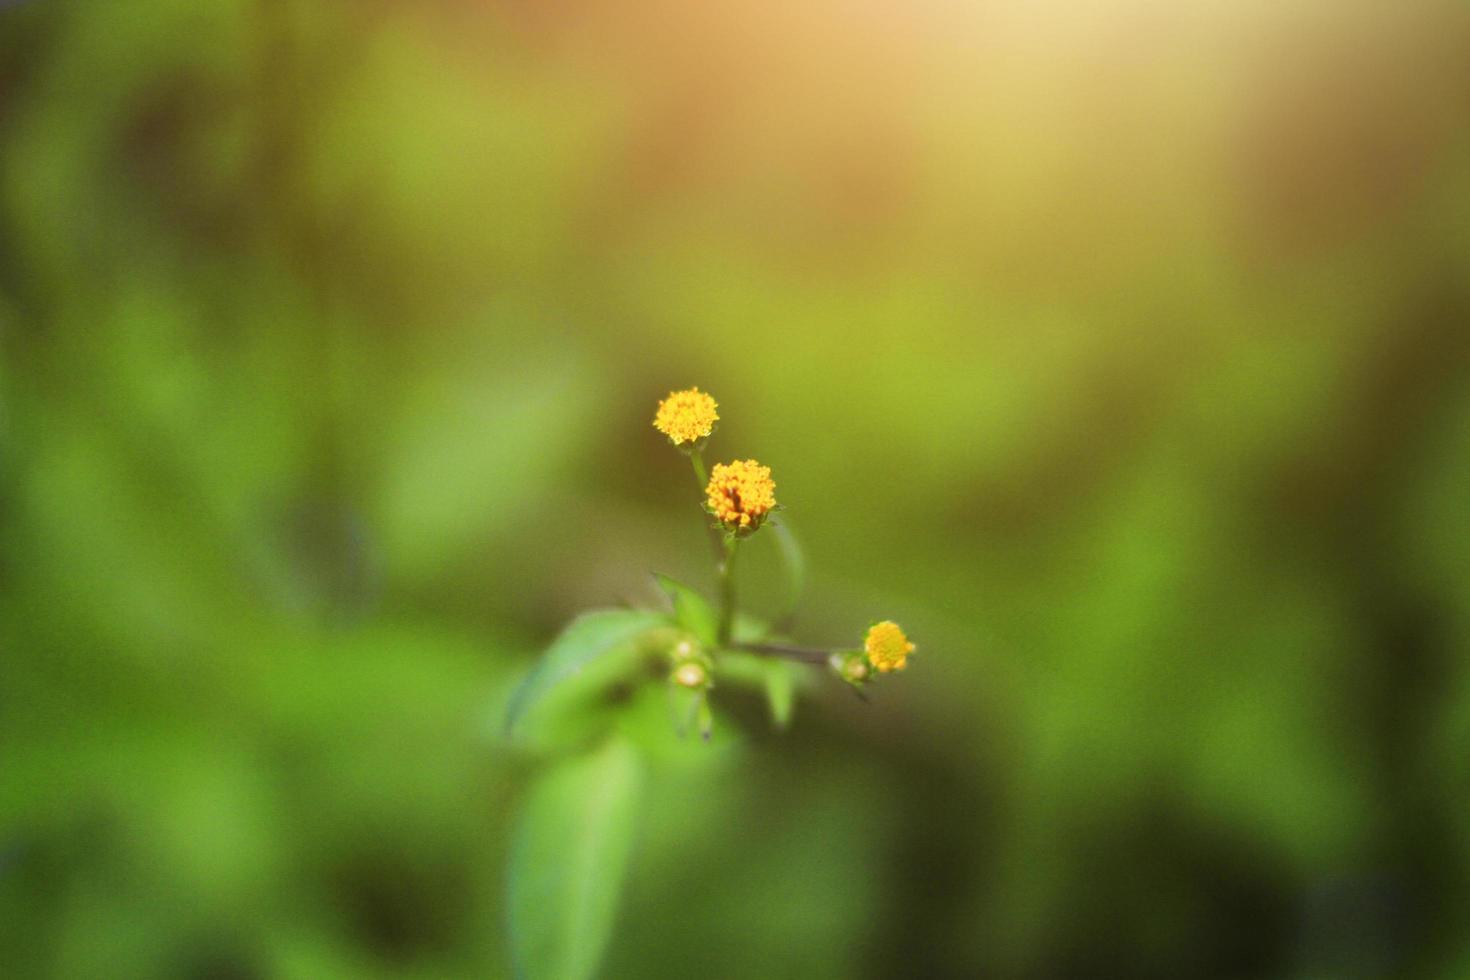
{"x":887,"y":647}
{"x":741,"y":494}
{"x":686,"y":416}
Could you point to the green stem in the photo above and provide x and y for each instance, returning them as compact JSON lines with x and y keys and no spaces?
{"x":810,"y":655}
{"x":727,"y":589}
{"x":696,"y":458}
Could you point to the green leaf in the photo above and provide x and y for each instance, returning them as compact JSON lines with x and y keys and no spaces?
{"x":749,"y":629}
{"x":781,"y":691}
{"x":794,"y":560}
{"x":568,"y":862}
{"x":691,"y":610}
{"x":588,"y":637}
{"x":779,"y":679}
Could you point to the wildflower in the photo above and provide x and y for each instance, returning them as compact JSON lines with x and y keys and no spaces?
{"x":686,"y":416}
{"x":887,"y":647}
{"x":741,"y":494}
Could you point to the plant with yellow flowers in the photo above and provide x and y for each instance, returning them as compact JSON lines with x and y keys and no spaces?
{"x":584,"y":702}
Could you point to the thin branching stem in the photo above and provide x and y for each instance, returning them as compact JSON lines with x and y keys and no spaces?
{"x":810,"y":655}
{"x":696,"y":459}
{"x":727,"y":589}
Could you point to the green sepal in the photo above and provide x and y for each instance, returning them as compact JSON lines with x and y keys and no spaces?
{"x":705,"y":717}
{"x":652,"y":720}
{"x":697,"y":446}
{"x":684,"y":707}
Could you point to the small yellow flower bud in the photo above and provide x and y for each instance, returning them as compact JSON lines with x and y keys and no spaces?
{"x":851,"y":665}
{"x":690,"y":675}
{"x":887,"y":647}
{"x":741,"y":494}
{"x":686,"y":416}
{"x":683,"y":650}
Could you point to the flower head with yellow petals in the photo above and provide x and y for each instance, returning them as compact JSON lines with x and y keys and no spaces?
{"x":740,"y":494}
{"x":887,"y":648}
{"x":686,"y":416}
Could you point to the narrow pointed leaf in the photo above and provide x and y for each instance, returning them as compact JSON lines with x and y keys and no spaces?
{"x":781,"y":691}
{"x":794,"y":561}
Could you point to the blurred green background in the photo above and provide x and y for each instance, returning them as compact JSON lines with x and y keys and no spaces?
{"x":1117,"y":348}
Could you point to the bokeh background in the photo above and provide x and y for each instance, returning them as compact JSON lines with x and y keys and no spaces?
{"x":1117,"y":348}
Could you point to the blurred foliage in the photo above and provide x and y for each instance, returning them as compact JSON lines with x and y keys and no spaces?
{"x":1117,"y":348}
